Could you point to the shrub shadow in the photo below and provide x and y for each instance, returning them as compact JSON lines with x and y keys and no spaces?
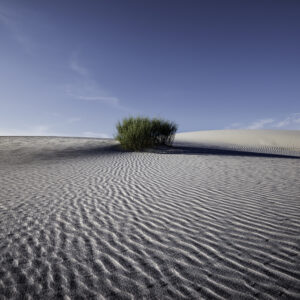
{"x":212,"y":151}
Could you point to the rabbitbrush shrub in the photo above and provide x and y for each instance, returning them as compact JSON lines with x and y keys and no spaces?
{"x":140,"y":133}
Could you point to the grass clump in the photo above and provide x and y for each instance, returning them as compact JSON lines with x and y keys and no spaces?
{"x":140,"y":133}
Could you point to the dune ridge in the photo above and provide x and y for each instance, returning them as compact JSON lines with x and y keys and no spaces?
{"x":80,"y":218}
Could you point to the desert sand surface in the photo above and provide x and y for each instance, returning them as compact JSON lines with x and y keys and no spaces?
{"x":81,"y":219}
{"x":282,"y":142}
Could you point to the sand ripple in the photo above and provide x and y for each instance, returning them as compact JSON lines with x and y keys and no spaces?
{"x":86,"y":221}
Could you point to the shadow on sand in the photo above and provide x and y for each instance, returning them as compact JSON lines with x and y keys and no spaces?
{"x":16,"y":157}
{"x":106,"y":150}
{"x":211,"y":151}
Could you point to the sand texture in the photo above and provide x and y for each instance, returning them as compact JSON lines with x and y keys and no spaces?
{"x":282,"y":142}
{"x":81,"y":219}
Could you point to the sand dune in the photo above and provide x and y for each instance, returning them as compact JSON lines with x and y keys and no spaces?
{"x":80,"y":219}
{"x":285,"y":142}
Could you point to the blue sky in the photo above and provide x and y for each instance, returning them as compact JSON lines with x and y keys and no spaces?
{"x":76,"y":67}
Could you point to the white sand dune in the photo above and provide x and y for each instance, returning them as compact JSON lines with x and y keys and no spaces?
{"x":80,"y":219}
{"x":285,"y":142}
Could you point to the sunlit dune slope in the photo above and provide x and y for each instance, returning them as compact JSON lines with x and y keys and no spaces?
{"x":268,"y":141}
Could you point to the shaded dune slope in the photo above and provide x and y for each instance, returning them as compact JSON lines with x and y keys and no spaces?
{"x":86,"y":220}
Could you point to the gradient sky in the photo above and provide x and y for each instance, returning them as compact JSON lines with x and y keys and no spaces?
{"x":76,"y":67}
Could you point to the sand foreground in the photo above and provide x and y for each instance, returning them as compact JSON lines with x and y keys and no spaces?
{"x":80,"y":219}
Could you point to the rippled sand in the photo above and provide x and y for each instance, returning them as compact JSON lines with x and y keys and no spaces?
{"x":81,"y":219}
{"x":281,"y":142}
